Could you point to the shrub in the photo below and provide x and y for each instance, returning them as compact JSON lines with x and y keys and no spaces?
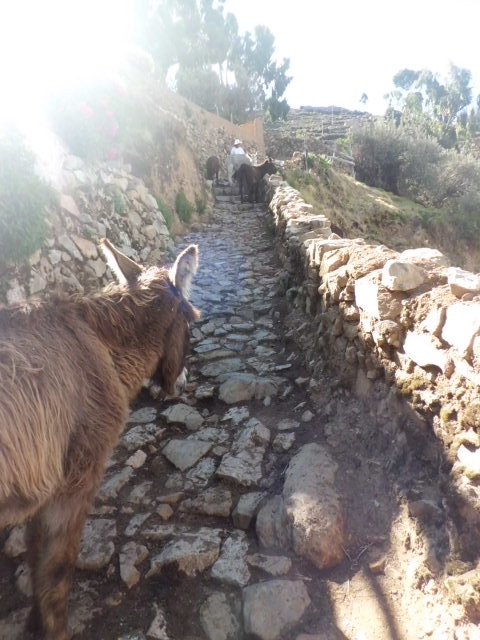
{"x":377,"y":150}
{"x":24,"y":197}
{"x":119,"y":203}
{"x":410,"y":164}
{"x":166,"y":213}
{"x":459,"y":174}
{"x":318,"y":163}
{"x":183,"y":207}
{"x":465,"y":214}
{"x":200,"y":205}
{"x":299,"y":178}
{"x":418,"y":177}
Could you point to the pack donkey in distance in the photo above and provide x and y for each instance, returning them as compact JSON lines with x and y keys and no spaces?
{"x":68,"y":372}
{"x":213,"y":167}
{"x":248,"y":177}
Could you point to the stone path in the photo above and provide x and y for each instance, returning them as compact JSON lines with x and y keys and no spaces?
{"x":219,"y":516}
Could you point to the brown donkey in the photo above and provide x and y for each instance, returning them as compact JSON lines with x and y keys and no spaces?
{"x":248,"y":177}
{"x":68,"y":372}
{"x":213,"y":167}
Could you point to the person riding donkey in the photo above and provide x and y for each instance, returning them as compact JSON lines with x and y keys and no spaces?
{"x":236,"y":158}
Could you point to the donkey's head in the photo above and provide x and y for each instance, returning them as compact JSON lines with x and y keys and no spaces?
{"x":160,"y":311}
{"x":270,"y":167}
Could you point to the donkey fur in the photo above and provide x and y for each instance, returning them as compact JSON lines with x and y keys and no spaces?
{"x":68,"y":371}
{"x":248,"y":177}
{"x":213,"y":167}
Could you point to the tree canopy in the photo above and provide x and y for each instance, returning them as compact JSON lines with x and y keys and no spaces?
{"x":199,"y":46}
{"x":438,"y":106}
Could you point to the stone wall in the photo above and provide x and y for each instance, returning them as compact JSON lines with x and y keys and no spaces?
{"x":94,"y":201}
{"x":112,"y":200}
{"x":401,"y":329}
{"x":209,"y":134}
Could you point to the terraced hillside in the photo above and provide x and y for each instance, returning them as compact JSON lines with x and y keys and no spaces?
{"x":313,"y":129}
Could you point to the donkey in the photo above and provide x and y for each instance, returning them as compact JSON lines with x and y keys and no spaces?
{"x":248,"y":177}
{"x":213,"y":167}
{"x":68,"y":373}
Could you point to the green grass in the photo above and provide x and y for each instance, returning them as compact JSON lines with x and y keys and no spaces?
{"x":183,"y":207}
{"x":166,"y":213}
{"x":24,"y":199}
{"x":378,"y":216}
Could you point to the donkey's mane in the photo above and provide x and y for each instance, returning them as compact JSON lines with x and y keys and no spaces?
{"x":112,"y":306}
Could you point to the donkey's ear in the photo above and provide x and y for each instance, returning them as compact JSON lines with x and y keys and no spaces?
{"x":124,"y":269}
{"x":184,"y":268}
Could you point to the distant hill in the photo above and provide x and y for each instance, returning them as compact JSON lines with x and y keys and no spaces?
{"x":312,"y":129}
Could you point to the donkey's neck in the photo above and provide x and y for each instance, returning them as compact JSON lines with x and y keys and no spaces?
{"x":133,"y":333}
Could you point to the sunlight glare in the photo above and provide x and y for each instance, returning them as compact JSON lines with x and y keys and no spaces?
{"x":51,"y":45}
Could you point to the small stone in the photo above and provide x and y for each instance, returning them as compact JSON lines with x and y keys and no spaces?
{"x":171,"y":498}
{"x":274,"y":565}
{"x":283,"y":441}
{"x":158,"y":627}
{"x":219,"y":618}
{"x":114,"y":599}
{"x":142,"y":416}
{"x":378,"y":566}
{"x":131,"y":555}
{"x":246,"y":508}
{"x":185,"y":453}
{"x":285,"y":601}
{"x":137,"y":459}
{"x":165,"y":511}
{"x":287,"y":424}
{"x":307,"y":416}
{"x":191,"y":553}
{"x":183,"y":414}
{"x":97,"y":548}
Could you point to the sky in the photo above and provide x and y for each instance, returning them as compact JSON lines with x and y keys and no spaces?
{"x":337,"y":50}
{"x":340,"y":49}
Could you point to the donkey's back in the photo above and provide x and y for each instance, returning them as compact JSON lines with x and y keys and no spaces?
{"x":57,"y":378}
{"x":249,"y":176}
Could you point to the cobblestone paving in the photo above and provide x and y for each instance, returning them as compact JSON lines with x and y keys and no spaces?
{"x":184,"y":542}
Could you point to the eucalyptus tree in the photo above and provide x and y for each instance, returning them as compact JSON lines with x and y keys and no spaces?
{"x":211,"y":63}
{"x":437,"y":106}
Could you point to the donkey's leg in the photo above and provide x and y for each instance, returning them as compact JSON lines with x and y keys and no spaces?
{"x":33,"y":539}
{"x":53,"y":538}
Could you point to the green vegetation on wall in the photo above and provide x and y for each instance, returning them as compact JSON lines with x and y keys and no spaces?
{"x":183,"y":207}
{"x":200,"y":205}
{"x":24,"y":197}
{"x":166,"y":213}
{"x":119,"y":204}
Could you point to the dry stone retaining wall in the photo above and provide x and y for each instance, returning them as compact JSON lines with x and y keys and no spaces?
{"x":403,"y":328}
{"x":208,"y":134}
{"x":95,"y":201}
{"x":107,"y":199}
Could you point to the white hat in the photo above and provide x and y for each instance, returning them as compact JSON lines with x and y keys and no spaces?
{"x":237,"y":141}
